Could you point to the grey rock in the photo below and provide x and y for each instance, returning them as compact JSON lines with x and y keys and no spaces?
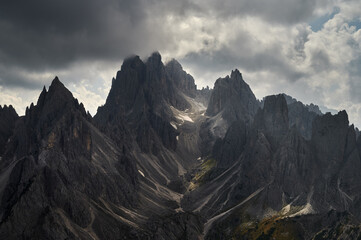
{"x":302,"y":118}
{"x":234,"y":98}
{"x":52,"y":176}
{"x":140,"y":98}
{"x":227,"y":150}
{"x":182,"y":80}
{"x":203,"y":95}
{"x":231,"y":100}
{"x":8,"y":117}
{"x":273,"y":118}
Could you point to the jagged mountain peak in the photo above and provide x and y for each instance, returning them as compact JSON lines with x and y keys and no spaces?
{"x":53,"y":104}
{"x":57,"y":89}
{"x":7,"y":109}
{"x":42,"y":97}
{"x":142,"y":94}
{"x":57,"y":95}
{"x":327,"y":123}
{"x":330,"y":130}
{"x":234,"y":98}
{"x":311,"y":107}
{"x":132,"y":62}
{"x":180,"y":78}
{"x":231,"y":100}
{"x":8,"y":112}
{"x":236,"y":74}
{"x":155,"y":60}
{"x":174,"y":63}
{"x":8,"y":117}
{"x":56,"y":81}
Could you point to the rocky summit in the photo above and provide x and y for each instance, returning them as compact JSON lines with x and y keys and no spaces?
{"x":162,"y":159}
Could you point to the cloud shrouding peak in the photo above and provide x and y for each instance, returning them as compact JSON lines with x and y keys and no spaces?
{"x":274,"y":43}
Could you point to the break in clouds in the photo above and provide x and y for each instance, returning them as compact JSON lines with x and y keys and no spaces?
{"x":309,"y":49}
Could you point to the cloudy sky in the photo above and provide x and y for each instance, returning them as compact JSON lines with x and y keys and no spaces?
{"x":309,"y":49}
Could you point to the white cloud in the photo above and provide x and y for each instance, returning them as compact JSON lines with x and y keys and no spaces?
{"x":90,"y":99}
{"x":18,"y":98}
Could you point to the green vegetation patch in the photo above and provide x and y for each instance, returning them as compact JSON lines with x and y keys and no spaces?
{"x":270,"y":228}
{"x":205,"y":167}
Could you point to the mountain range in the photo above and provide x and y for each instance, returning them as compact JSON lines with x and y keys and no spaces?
{"x":162,"y":159}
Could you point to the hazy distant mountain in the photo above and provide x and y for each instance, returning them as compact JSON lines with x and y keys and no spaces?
{"x":163,"y":160}
{"x":326,"y":110}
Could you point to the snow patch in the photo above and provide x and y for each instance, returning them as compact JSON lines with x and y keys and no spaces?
{"x":286,"y":209}
{"x":308,"y":209}
{"x":184,"y":117}
{"x":177,"y":137}
{"x":141,"y":173}
{"x":173,"y":125}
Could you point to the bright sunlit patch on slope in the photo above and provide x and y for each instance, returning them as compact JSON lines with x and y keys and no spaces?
{"x":307,"y":209}
{"x":141,"y":173}
{"x":181,"y":115}
{"x":286,"y":209}
{"x":184,"y":117}
{"x":173,"y":125}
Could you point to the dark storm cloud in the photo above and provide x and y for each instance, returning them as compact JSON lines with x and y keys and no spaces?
{"x":48,"y":35}
{"x":45,"y":33}
{"x":15,"y":79}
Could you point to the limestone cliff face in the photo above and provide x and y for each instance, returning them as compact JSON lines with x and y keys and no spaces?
{"x":338,"y":160}
{"x":273,"y":118}
{"x":227,"y":150}
{"x":329,"y":136}
{"x":302,"y":118}
{"x":301,"y":115}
